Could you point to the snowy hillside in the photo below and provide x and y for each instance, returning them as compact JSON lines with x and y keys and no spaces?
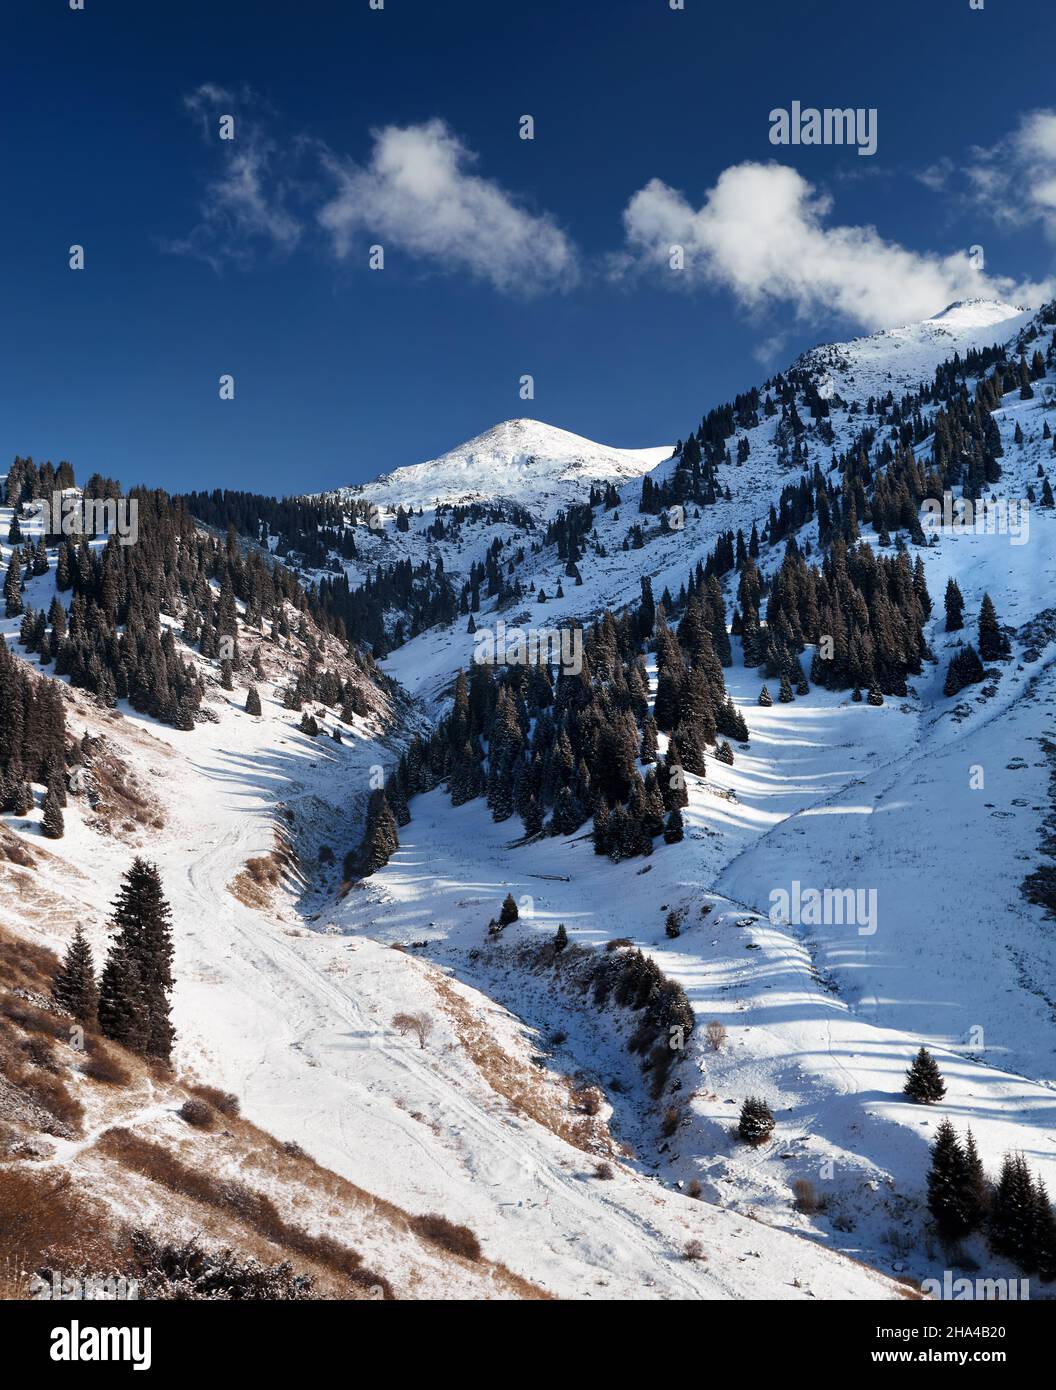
{"x":524,"y":1115}
{"x":522,"y":461}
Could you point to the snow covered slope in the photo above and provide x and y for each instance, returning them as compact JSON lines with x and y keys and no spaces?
{"x":898,"y":359}
{"x":523,"y":461}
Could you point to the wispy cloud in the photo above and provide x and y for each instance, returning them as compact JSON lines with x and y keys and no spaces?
{"x":763,"y":232}
{"x":419,"y":193}
{"x":1015,"y":180}
{"x":246,"y":208}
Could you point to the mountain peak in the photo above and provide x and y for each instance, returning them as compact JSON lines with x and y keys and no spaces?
{"x":522,"y":460}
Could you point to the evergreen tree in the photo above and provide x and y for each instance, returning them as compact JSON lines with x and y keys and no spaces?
{"x":1013,"y":1213}
{"x":74,"y":987}
{"x":560,"y":937}
{"x":993,"y":644}
{"x":13,"y":586}
{"x":381,"y":839}
{"x":673,"y":829}
{"x":924,"y":1082}
{"x":764,"y":698}
{"x":756,"y":1122}
{"x":965,"y":669}
{"x":52,"y":824}
{"x":508,"y":913}
{"x":954,"y":607}
{"x":137,"y":979}
{"x":253,"y":700}
{"x":947,"y":1184}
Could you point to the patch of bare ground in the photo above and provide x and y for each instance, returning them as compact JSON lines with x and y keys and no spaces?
{"x":119,"y":804}
{"x":255,"y":885}
{"x":568,"y":1110}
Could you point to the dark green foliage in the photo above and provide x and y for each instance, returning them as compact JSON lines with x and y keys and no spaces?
{"x":508,"y":912}
{"x":965,"y":669}
{"x":74,"y":987}
{"x":137,"y":978}
{"x":924,"y":1082}
{"x":993,"y":644}
{"x":381,"y":838}
{"x":756,"y":1122}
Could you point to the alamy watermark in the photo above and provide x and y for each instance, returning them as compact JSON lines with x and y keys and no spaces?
{"x":66,"y":514}
{"x":984,"y":1290}
{"x":806,"y":125}
{"x":994,"y":516}
{"x":517,"y":646}
{"x":824,"y":907}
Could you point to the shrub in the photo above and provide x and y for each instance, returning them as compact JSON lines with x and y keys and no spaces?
{"x":672,"y":1119}
{"x":694,"y":1188}
{"x":693,"y":1250}
{"x":226,"y":1102}
{"x":198,"y":1113}
{"x":421,"y":1025}
{"x":715,"y":1034}
{"x":458,"y":1240}
{"x":605,"y":1171}
{"x":805,"y":1195}
{"x":102,"y":1065}
{"x":671,"y":925}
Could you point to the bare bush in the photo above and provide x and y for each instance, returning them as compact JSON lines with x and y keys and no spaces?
{"x":102,"y":1065}
{"x":226,"y":1102}
{"x":671,"y":1121}
{"x":694,"y":1188}
{"x":806,"y":1196}
{"x":693,"y":1250}
{"x":420,"y":1024}
{"x":605,"y":1171}
{"x":458,"y":1240}
{"x":715,"y":1034}
{"x":198,"y":1113}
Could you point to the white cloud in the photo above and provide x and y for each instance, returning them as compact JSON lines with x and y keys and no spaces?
{"x":245,"y":207}
{"x":763,"y":233}
{"x":418,"y":194}
{"x":1015,"y":180}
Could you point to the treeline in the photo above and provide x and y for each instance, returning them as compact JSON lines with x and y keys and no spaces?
{"x":1014,"y":1213}
{"x":32,"y":743}
{"x":130,"y":1002}
{"x":560,"y":747}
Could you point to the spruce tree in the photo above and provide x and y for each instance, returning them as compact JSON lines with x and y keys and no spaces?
{"x":764,"y":698}
{"x":52,"y":824}
{"x":381,"y":838}
{"x":137,"y":979}
{"x":756,"y":1122}
{"x":253,"y":700}
{"x":954,"y":607}
{"x":560,"y":937}
{"x":924,"y":1082}
{"x":673,"y":828}
{"x":947,"y":1184}
{"x":993,"y":644}
{"x":508,"y":912}
{"x":74,"y":987}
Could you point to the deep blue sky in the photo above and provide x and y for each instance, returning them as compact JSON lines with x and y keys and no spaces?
{"x":342,"y":373}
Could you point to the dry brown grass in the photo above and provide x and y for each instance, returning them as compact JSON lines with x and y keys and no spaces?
{"x":456,"y":1240}
{"x":42,"y":1212}
{"x":234,"y":1199}
{"x":256,"y":883}
{"x":526,"y":1090}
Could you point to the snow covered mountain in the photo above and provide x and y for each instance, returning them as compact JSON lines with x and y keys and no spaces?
{"x":522,"y":461}
{"x":525,"y":1118}
{"x":898,"y":359}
